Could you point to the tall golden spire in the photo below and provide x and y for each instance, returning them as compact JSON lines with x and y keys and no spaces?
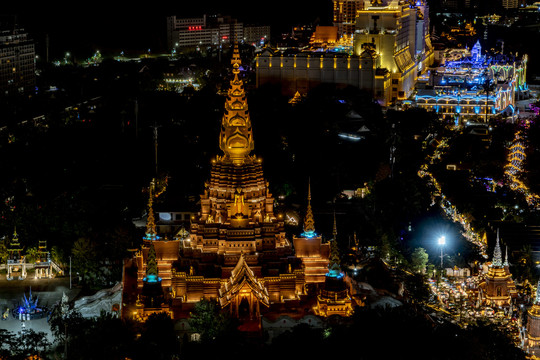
{"x":309,"y":222}
{"x":334,"y":230}
{"x":151,"y":233}
{"x":236,"y":137}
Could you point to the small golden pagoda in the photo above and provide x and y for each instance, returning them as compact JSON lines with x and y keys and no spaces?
{"x":498,"y":288}
{"x":334,"y":298}
{"x":16,"y":261}
{"x":310,"y":248}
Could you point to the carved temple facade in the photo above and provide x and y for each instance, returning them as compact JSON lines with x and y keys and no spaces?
{"x":498,"y":289}
{"x":236,"y":252}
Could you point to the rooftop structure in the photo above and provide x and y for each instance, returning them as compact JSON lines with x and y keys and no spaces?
{"x":388,"y":49}
{"x":470,"y":85}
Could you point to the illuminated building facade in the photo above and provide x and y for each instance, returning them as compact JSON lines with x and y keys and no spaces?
{"x":389,"y":47}
{"x":345,"y":12}
{"x":457,"y":89}
{"x":399,"y":33}
{"x":211,"y":30}
{"x":236,"y":252}
{"x":303,"y":71}
{"x":17,"y":63}
{"x":497,"y":288}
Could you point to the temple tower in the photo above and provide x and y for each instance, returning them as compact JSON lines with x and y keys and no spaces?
{"x":334,"y":298}
{"x":15,"y":259}
{"x":498,"y":288}
{"x":310,"y":248}
{"x":237,"y":216}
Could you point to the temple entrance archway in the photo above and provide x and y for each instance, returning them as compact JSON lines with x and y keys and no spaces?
{"x":244,"y":308}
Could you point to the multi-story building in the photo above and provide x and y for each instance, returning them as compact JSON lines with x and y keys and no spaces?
{"x":254,"y":34}
{"x":390,"y":47}
{"x":211,"y":30}
{"x":17,"y":63}
{"x":345,"y":12}
{"x":510,"y":4}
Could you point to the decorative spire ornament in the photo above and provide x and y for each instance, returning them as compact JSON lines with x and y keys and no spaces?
{"x":151,"y":233}
{"x":334,"y":261}
{"x":497,"y":257}
{"x":236,"y":136}
{"x":334,"y":230}
{"x":309,"y":222}
{"x":505,"y":264}
{"x":151,"y":264}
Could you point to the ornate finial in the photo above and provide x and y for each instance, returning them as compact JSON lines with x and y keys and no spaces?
{"x":151,"y":263}
{"x":334,"y":230}
{"x":334,"y":262}
{"x":309,"y":223}
{"x":506,"y":258}
{"x":236,"y":137}
{"x":150,"y":221}
{"x":497,"y":257}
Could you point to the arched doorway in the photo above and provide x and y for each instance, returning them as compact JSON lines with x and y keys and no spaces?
{"x":244,"y":308}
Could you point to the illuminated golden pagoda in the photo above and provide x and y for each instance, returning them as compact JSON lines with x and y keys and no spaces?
{"x":236,"y":250}
{"x":151,"y":233}
{"x":310,"y":248}
{"x":334,"y":298}
{"x":498,"y":288}
{"x":236,"y":137}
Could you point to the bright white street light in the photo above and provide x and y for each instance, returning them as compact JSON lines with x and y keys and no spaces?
{"x":442,"y":242}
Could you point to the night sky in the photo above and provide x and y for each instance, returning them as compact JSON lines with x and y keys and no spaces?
{"x":83,"y":27}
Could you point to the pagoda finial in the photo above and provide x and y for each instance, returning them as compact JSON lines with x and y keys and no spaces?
{"x":309,"y":223}
{"x":150,"y":221}
{"x":334,"y":262}
{"x":497,"y":257}
{"x":236,"y":137}
{"x":151,"y":263}
{"x":334,"y":230}
{"x":506,"y":257}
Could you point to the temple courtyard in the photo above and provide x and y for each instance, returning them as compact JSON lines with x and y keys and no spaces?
{"x":47,"y":291}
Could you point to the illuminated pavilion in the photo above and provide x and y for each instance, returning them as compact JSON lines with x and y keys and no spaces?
{"x":498,"y":288}
{"x":236,"y":252}
{"x":16,"y":261}
{"x":456,"y":90}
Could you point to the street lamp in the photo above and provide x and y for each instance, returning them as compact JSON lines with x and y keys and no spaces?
{"x":442,"y":242}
